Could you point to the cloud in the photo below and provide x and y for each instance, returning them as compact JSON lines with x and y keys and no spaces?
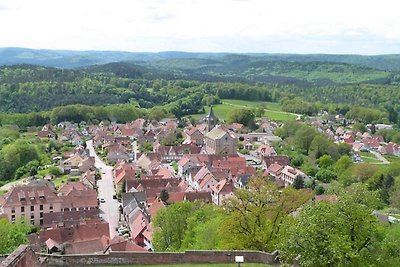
{"x":159,"y":18}
{"x":305,"y":26}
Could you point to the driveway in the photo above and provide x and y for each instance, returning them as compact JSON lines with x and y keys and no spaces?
{"x":108,"y":210}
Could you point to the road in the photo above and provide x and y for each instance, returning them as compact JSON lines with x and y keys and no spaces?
{"x":110,"y":209}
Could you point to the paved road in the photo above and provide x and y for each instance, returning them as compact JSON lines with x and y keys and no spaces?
{"x":109,"y":210}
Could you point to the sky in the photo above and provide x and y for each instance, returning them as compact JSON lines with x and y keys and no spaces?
{"x":266,"y":26}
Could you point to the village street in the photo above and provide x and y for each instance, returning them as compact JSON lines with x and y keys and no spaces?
{"x":109,"y":210}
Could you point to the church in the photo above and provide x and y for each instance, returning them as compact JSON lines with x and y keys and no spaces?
{"x":218,"y":139}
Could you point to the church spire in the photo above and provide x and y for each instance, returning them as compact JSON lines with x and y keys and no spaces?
{"x":210,"y":119}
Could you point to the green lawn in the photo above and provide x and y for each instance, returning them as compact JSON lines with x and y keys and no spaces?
{"x":392,"y":158}
{"x":203,"y":265}
{"x":274,"y":110}
{"x":274,"y":106}
{"x":368,"y":157}
{"x":59,"y":181}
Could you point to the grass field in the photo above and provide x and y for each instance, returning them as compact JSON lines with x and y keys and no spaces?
{"x":203,"y":265}
{"x":273,"y":110}
{"x":392,"y":158}
{"x":273,"y":106}
{"x":368,"y":157}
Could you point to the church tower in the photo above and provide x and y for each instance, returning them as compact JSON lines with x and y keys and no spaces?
{"x":211,"y":120}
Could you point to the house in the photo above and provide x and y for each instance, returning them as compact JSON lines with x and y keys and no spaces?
{"x":89,"y":179}
{"x":89,"y":237}
{"x":281,"y":160}
{"x":289,"y":174}
{"x":193,"y":196}
{"x":221,"y":191}
{"x":194,"y":136}
{"x":388,"y":149}
{"x":275,"y":170}
{"x":68,"y":218}
{"x":119,"y":244}
{"x":138,"y":224}
{"x":348,"y":139}
{"x":120,"y":154}
{"x":86,"y":164}
{"x":153,"y":186}
{"x":122,"y":173}
{"x":149,"y":161}
{"x":248,"y":145}
{"x":77,"y":196}
{"x":359,"y":147}
{"x":234,"y":127}
{"x":71,"y":165}
{"x":184,"y":165}
{"x":30,"y":202}
{"x":265,"y":150}
{"x":220,"y":142}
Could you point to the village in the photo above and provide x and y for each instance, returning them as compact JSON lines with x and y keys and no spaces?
{"x":121,"y":175}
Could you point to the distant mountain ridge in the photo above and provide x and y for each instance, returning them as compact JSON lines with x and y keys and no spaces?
{"x":77,"y":59}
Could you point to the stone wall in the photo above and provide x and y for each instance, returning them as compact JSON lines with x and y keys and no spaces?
{"x":146,"y":258}
{"x":23,"y":256}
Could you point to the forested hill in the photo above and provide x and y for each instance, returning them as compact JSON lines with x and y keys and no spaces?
{"x":184,"y":85}
{"x":74,"y":59}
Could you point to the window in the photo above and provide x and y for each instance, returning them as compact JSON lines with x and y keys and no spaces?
{"x":22,"y":209}
{"x":41,"y":207}
{"x":32,"y":216}
{"x":13,"y":218}
{"x":51,"y":207}
{"x":41,"y":222}
{"x":41,"y":215}
{"x":32,"y":208}
{"x":12,"y":210}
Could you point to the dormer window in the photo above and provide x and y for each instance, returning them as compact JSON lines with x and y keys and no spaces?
{"x":21,"y":195}
{"x":41,"y":195}
{"x":31,"y":195}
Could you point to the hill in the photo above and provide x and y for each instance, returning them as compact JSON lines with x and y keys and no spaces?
{"x":75,"y":59}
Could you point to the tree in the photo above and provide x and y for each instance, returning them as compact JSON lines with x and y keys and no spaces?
{"x":304,"y":137}
{"x":344,"y":149}
{"x":255,"y":215}
{"x":334,"y":234}
{"x":362,"y":172}
{"x":325,"y":175}
{"x":243,"y":115}
{"x":342,"y":164}
{"x":325,"y":161}
{"x":170,"y":224}
{"x":164,"y":196}
{"x":203,"y":228}
{"x":359,"y":127}
{"x":12,"y":235}
{"x":298,"y":182}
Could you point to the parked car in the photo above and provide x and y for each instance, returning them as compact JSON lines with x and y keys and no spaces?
{"x":102,"y":200}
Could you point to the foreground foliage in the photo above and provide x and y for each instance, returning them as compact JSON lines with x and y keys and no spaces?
{"x":13,"y":234}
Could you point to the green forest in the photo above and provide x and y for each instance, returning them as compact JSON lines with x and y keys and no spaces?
{"x":33,"y":95}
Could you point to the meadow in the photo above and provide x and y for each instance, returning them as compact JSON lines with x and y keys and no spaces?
{"x":273,"y":110}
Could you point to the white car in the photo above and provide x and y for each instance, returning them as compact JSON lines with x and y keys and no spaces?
{"x":102,"y":200}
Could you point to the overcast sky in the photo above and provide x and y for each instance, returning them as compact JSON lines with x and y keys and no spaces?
{"x":271,"y":26}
